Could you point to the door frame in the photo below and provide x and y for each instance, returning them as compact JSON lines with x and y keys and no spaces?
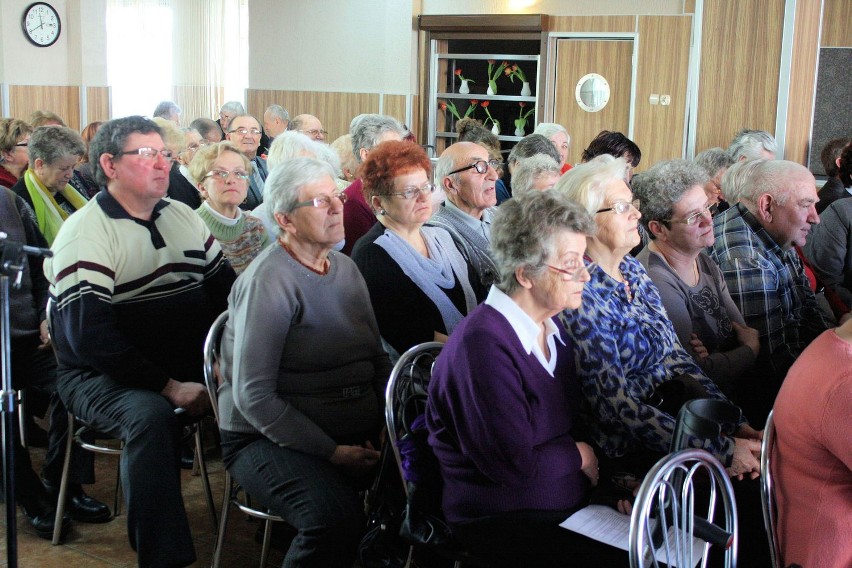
{"x":550,"y":74}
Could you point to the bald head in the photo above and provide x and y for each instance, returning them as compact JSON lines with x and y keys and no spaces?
{"x":308,"y":125}
{"x":469,"y":190}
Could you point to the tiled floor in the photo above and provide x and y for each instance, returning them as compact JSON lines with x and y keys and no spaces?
{"x":105,"y":545}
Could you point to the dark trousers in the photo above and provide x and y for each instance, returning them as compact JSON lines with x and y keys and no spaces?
{"x":311,"y":494}
{"x":157,"y":526}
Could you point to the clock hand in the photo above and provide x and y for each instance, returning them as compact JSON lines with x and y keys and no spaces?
{"x":35,"y":28}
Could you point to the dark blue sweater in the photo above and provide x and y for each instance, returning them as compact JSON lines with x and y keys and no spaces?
{"x":500,"y":425}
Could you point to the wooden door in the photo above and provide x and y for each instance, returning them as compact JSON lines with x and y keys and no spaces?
{"x":575,"y":58}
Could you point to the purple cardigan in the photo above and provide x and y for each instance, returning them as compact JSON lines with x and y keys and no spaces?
{"x":500,"y":425}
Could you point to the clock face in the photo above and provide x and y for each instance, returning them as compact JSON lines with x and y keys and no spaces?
{"x":41,"y":24}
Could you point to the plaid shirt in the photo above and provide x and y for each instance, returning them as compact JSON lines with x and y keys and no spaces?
{"x":769,"y":286}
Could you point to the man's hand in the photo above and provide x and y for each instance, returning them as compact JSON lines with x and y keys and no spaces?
{"x":746,"y":459}
{"x":192,"y":397}
{"x":44,"y":335}
{"x":355,"y":459}
{"x":747,"y":336}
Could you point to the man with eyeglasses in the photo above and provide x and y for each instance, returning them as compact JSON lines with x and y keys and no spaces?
{"x":368,"y":131}
{"x":468,"y":177}
{"x":310,"y":126}
{"x":136,"y":282}
{"x":244,"y":132}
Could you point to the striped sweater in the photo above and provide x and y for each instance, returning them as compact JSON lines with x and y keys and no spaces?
{"x":240,"y":242}
{"x":135,"y":298}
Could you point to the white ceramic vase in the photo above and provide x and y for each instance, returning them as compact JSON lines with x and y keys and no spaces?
{"x":525,"y":90}
{"x":495,"y":129}
{"x":464,"y":89}
{"x":519,"y":131}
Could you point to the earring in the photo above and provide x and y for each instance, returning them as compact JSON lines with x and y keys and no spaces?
{"x":381,"y":211}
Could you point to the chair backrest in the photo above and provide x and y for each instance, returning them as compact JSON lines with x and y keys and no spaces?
{"x":703,"y":418}
{"x":666,"y":518}
{"x":211,"y":357}
{"x":405,"y":396}
{"x":767,"y":491}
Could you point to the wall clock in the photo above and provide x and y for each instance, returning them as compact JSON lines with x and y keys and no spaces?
{"x":41,"y":24}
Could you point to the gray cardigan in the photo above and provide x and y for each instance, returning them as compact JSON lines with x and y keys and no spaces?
{"x":829,"y":248}
{"x":302,"y":360}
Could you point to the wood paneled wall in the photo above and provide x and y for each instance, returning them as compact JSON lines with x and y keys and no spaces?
{"x":836,"y":23}
{"x":740,"y":58}
{"x":98,"y":104}
{"x":802,"y":81}
{"x":394,"y":105}
{"x":335,"y":110}
{"x":64,"y":101}
{"x":663,"y":69}
{"x":591,"y":23}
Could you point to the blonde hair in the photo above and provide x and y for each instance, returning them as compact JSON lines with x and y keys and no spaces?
{"x":206,"y":155}
{"x":172,"y":135}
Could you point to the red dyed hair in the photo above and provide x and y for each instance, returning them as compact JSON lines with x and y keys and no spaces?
{"x":387,"y":161}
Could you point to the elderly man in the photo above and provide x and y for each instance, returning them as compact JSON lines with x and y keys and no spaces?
{"x":468,"y":177}
{"x":168,"y":110}
{"x":308,"y":125}
{"x":226,"y":113}
{"x":276,"y":119}
{"x":536,"y":173}
{"x":368,"y":131}
{"x":209,"y":129}
{"x":773,"y":212}
{"x":244,"y":131}
{"x":137,"y":281}
{"x":752,"y":145}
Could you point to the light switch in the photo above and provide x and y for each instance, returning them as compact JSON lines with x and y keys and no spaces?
{"x":654,"y":99}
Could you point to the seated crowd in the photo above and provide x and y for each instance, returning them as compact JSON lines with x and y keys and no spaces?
{"x":581,"y":306}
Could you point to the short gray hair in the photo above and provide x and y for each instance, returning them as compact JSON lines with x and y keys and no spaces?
{"x":291,"y":144}
{"x":52,"y":143}
{"x":165,"y":109}
{"x":530,"y":169}
{"x":366,"y":129}
{"x":533,"y":144}
{"x":112,"y":136}
{"x":548,"y":129}
{"x":713,"y":160}
{"x":586,"y":183}
{"x":523,"y":230}
{"x":233,"y":106}
{"x":278,"y":111}
{"x":285,"y":182}
{"x":748,"y":144}
{"x":663,"y":185}
{"x":746,"y":181}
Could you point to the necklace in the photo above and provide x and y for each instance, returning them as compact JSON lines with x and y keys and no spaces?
{"x":326,"y":263}
{"x":627,"y":289}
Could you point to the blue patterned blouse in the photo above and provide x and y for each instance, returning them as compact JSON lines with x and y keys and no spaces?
{"x":624,"y":350}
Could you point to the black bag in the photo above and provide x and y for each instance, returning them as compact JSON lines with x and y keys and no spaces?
{"x":381,"y":546}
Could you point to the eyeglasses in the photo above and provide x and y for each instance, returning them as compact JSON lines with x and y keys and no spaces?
{"x":194,"y":147}
{"x":575,"y":271}
{"x":621,"y":207}
{"x":223,"y":174}
{"x":314,"y":132}
{"x":694,"y":218}
{"x":716,"y":187}
{"x":414,"y":191}
{"x":481,"y":166}
{"x":322,"y":201}
{"x":245,"y":131}
{"x":149,"y":153}
{"x":27,"y":143}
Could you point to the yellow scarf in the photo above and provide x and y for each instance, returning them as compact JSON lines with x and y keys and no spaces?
{"x":48,"y":212}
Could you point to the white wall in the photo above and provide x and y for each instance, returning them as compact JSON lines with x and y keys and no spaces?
{"x":332,"y":45}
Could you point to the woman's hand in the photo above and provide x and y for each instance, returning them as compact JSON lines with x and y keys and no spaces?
{"x":746,"y":459}
{"x":589,"y":463}
{"x":749,"y":433}
{"x":698,"y":347}
{"x":747,"y":336}
{"x":355,"y":459}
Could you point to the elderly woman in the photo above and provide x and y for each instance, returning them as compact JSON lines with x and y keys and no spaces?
{"x":557,"y":134}
{"x":54,"y":151}
{"x":503,"y":403}
{"x":224,"y":172}
{"x":535,"y":173}
{"x":419,"y":283}
{"x":304,"y":373}
{"x":180,"y":188}
{"x":192,"y":142}
{"x":84,"y":174}
{"x":617,"y":145}
{"x":676,"y":214}
{"x":14,"y":139}
{"x":715,"y":162}
{"x":625,"y":345}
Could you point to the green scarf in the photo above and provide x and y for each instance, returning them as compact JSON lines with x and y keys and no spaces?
{"x":48,"y":212}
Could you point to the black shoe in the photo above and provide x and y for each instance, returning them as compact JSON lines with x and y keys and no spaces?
{"x":80,"y":506}
{"x":41,"y":516}
{"x":187,"y":454}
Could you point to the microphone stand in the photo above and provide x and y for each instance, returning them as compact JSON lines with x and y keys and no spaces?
{"x":11,"y":264}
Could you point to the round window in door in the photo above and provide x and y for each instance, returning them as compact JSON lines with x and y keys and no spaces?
{"x":592,"y":92}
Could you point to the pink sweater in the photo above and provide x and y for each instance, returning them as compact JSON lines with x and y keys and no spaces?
{"x":813,"y":456}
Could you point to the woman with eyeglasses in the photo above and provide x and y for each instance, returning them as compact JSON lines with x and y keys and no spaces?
{"x":302,"y":401}
{"x":53,"y":153}
{"x":223,"y":172}
{"x":419,"y":282}
{"x":676,"y":213}
{"x":14,"y":139}
{"x":504,"y":398}
{"x":634,"y":372}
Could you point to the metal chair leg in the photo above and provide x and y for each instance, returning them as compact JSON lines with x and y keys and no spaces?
{"x":223,"y":521}
{"x":63,"y":483}
{"x":267,"y":537}
{"x":22,"y":419}
{"x":205,"y":479}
